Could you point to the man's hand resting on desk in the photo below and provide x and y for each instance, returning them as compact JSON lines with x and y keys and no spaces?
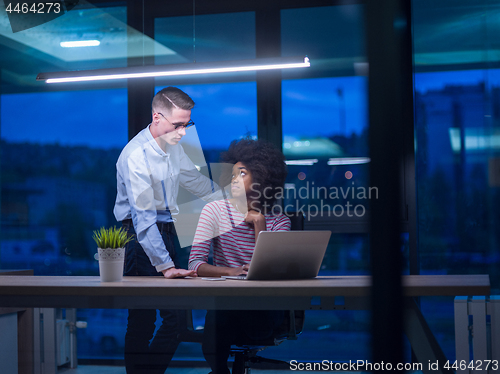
{"x":178,"y":273}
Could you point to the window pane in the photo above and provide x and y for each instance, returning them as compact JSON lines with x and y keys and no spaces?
{"x":325,"y":130}
{"x":59,"y":146}
{"x":223,"y":111}
{"x":457,"y":116}
{"x":204,"y":38}
{"x":211,"y":37}
{"x":325,"y":113}
{"x":58,"y":177}
{"x":325,"y":143}
{"x":333,"y":37}
{"x":58,"y":185}
{"x":448,"y":34}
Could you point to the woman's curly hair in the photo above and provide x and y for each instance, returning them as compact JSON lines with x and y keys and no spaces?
{"x":264,"y":161}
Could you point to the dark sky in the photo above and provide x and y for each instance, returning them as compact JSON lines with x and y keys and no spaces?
{"x":223,"y":112}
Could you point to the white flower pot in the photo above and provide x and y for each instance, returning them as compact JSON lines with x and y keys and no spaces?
{"x":111,"y":262}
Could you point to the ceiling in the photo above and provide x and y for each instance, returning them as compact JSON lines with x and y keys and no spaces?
{"x":448,"y":34}
{"x":26,"y":53}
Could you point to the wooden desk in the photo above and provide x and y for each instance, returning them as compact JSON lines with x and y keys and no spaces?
{"x":333,"y":292}
{"x":195,"y":293}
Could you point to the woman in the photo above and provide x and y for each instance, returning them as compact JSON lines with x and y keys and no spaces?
{"x":232,"y":227}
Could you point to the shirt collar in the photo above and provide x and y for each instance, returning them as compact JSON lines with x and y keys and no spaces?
{"x":152,"y":141}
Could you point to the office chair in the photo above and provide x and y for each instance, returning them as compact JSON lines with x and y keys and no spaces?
{"x":297,"y":220}
{"x":245,"y":351}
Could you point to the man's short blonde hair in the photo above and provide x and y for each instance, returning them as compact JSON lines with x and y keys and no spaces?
{"x":171,"y":97}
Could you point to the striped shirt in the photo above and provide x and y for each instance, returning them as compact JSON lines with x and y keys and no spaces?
{"x":233,"y":239}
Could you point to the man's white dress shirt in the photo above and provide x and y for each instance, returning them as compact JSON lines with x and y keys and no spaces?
{"x":147,"y":186}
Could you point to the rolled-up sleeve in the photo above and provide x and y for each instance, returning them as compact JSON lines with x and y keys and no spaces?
{"x":206,"y":230}
{"x":282,"y":223}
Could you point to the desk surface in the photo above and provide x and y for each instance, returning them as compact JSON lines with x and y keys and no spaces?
{"x":195,"y":293}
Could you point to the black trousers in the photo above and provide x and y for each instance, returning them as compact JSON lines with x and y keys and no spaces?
{"x":145,"y":350}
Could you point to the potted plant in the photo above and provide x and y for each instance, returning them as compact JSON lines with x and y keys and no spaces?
{"x":111,"y":251}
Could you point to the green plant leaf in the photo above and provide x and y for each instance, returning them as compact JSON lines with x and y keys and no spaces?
{"x":111,"y":237}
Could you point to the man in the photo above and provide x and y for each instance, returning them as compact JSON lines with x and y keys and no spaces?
{"x":149,"y":171}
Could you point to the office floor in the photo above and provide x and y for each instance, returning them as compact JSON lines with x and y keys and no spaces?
{"x":93,"y":369}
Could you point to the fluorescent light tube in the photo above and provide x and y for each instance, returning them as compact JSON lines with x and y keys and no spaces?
{"x":80,"y":43}
{"x":307,"y":162}
{"x":348,"y":160}
{"x":173,"y":70}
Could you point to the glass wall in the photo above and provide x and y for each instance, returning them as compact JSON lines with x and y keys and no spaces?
{"x":457,"y":119}
{"x":209,"y":37}
{"x":223,"y":112}
{"x":59,"y":146}
{"x":226,"y":105}
{"x":325,"y":128}
{"x":325,"y":141}
{"x":58,"y":176}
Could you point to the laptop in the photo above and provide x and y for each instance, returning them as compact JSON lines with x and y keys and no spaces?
{"x":287,"y":255}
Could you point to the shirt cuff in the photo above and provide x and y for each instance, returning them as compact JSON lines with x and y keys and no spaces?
{"x":195,"y":265}
{"x":165,"y":266}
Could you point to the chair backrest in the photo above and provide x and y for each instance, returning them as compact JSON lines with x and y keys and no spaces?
{"x":297,"y":220}
{"x":292,"y":325}
{"x":289,"y":329}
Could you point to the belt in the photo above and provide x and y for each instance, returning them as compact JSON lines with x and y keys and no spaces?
{"x":161,"y":225}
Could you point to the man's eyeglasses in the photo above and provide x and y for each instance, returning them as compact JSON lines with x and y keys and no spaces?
{"x":176,"y":127}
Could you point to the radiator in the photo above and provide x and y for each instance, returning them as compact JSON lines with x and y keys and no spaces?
{"x":477,"y":326}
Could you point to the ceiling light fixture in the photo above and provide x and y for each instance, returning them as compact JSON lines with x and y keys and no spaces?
{"x":80,"y":43}
{"x":348,"y":160}
{"x":173,"y":70}
{"x":307,"y":162}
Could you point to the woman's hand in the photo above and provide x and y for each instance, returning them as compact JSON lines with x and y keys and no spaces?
{"x":256,"y":220}
{"x":240,"y":270}
{"x":207,"y":270}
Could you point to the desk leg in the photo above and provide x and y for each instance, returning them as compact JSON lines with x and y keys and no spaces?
{"x":25,"y":340}
{"x":422,"y":340}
